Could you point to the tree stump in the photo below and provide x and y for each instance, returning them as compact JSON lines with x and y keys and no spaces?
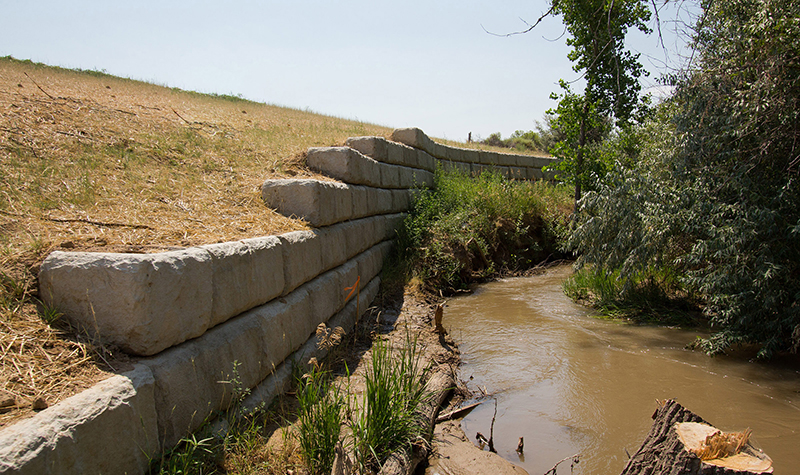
{"x":678,"y":435}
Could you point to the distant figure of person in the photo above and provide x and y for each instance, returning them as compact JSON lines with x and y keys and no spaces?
{"x":469,"y":137}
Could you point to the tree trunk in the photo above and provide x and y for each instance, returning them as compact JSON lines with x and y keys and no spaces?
{"x":579,"y":158}
{"x":663,"y":451}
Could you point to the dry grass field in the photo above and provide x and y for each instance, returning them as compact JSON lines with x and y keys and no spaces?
{"x":95,"y":162}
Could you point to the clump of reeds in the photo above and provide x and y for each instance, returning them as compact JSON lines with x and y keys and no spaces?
{"x":388,"y":420}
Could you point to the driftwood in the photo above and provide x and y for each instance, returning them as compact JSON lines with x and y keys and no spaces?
{"x":457,"y":412}
{"x":668,"y":448}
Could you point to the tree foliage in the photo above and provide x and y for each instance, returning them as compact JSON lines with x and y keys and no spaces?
{"x":715,"y":194}
{"x":597,"y":31}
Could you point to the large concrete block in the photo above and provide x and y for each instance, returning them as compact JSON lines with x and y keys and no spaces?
{"x":384,"y":201}
{"x":393,"y":223}
{"x":410,"y":157}
{"x":279,"y":380}
{"x":141,"y":302}
{"x":506,"y":160}
{"x":350,"y":275}
{"x":400,"y":200}
{"x":488,"y":158}
{"x":360,"y":201}
{"x":109,"y":428}
{"x":426,"y":161}
{"x":390,"y":176}
{"x":406,"y":177}
{"x":333,"y":246}
{"x":325,"y":296}
{"x":359,"y":235}
{"x":319,"y":202}
{"x":411,"y":136}
{"x":245,"y":274}
{"x":423,"y":179}
{"x":374,"y":147}
{"x":302,"y":258}
{"x":395,"y":153}
{"x":344,"y":163}
{"x":199,"y":377}
{"x":471,"y":156}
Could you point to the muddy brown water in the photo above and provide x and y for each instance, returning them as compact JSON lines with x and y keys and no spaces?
{"x":573,"y":384}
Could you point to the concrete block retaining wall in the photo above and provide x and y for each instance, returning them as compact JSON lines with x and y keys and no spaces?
{"x":202,"y":317}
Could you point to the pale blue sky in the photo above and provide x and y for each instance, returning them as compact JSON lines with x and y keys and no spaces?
{"x":426,"y":64}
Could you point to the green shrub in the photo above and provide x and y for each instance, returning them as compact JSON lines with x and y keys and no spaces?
{"x":469,"y":228}
{"x":388,"y":419}
{"x":319,"y":420}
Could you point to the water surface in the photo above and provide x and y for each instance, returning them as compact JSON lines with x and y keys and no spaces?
{"x":569,"y":383}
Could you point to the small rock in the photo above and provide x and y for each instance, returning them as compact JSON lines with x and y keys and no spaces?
{"x":39,"y":404}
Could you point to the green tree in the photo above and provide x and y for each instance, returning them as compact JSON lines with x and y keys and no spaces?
{"x":597,"y":31}
{"x":716,"y":193}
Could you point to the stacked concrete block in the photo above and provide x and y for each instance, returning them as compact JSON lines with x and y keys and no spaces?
{"x":320,"y":203}
{"x":142,"y":302}
{"x":302,"y":258}
{"x":279,"y":380}
{"x":353,"y":167}
{"x":456,"y":158}
{"x":346,"y":164}
{"x":245,"y":274}
{"x":110,"y":428}
{"x":195,"y":379}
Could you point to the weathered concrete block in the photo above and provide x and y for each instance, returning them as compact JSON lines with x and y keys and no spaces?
{"x":350,"y":275}
{"x":423,"y":178}
{"x":302,"y":258}
{"x":410,"y":157}
{"x":333,"y":246}
{"x":319,"y":202}
{"x":194,"y":379}
{"x":360,"y":202}
{"x":245,"y":274}
{"x":359,"y":235}
{"x":390,"y":176}
{"x":325,"y":296}
{"x":280,"y":379}
{"x":141,"y":302}
{"x":401,"y":200}
{"x":471,"y":156}
{"x":395,"y":153}
{"x":488,"y":158}
{"x":384,"y":201}
{"x":393,"y":223}
{"x":374,"y":147}
{"x":406,"y":177}
{"x":109,"y":428}
{"x":426,"y":161}
{"x":344,"y":163}
{"x":411,"y":136}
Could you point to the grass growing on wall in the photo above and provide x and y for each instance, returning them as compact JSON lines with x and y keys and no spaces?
{"x":470,"y":228}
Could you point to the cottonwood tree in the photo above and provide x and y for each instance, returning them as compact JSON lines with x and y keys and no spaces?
{"x":716,"y":197}
{"x":597,"y":30}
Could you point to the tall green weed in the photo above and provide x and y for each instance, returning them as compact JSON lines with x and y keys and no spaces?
{"x":471,"y":227}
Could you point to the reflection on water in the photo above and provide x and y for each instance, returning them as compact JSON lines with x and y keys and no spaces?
{"x":569,"y":383}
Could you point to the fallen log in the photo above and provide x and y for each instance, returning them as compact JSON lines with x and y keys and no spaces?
{"x":681,"y":443}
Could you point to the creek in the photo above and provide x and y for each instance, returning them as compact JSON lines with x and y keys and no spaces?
{"x":570,"y":383}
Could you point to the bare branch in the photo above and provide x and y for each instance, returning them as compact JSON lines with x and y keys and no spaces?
{"x":530,"y":27}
